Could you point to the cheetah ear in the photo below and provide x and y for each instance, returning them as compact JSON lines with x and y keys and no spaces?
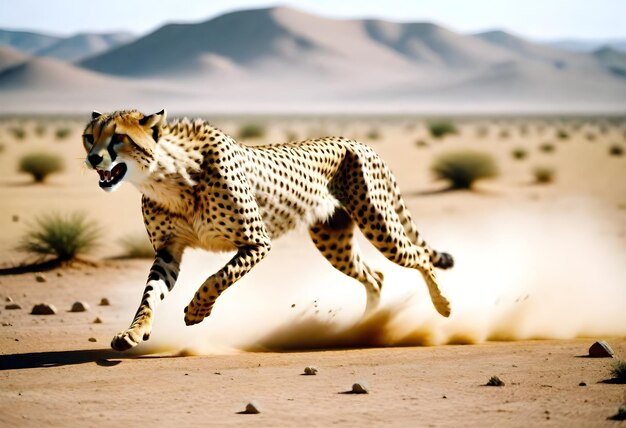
{"x":156,"y":119}
{"x":154,"y":123}
{"x":95,"y":114}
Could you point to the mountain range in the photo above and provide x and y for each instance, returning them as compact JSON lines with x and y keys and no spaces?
{"x":283,"y":59}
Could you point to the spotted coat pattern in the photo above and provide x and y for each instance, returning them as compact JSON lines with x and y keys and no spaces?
{"x":202,"y":189}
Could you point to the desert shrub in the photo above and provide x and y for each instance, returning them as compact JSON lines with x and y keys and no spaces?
{"x":618,"y":371}
{"x":523,"y":130}
{"x":251,"y":130}
{"x":494,"y":381}
{"x":562,"y":134}
{"x":40,"y":165}
{"x":591,"y":136}
{"x":519,"y":153}
{"x":373,"y":134}
{"x":547,"y":147}
{"x":61,"y":236}
{"x":291,"y":136}
{"x":616,"y":150}
{"x":504,"y":134}
{"x":482,"y":131}
{"x":464,"y":167}
{"x":421,"y":143}
{"x":62,"y":133}
{"x":442,"y":128}
{"x":137,"y":247}
{"x":544,"y":174}
{"x":18,"y":133}
{"x":40,"y":130}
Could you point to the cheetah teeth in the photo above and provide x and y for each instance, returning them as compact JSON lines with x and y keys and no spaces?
{"x":112,"y":177}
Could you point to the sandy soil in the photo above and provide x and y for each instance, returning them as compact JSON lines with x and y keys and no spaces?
{"x":533,"y":262}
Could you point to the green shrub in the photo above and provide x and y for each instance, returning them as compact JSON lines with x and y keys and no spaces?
{"x":547,"y":147}
{"x":519,"y":153}
{"x":40,"y":165}
{"x":62,"y":133}
{"x":442,"y":128}
{"x":251,"y":131}
{"x":464,"y":167}
{"x":63,"y":237}
{"x":562,"y":134}
{"x":543,"y":174}
{"x":616,"y":150}
{"x":18,"y":133}
{"x":618,"y":371}
{"x":137,"y":247}
{"x":421,"y":143}
{"x":373,"y":134}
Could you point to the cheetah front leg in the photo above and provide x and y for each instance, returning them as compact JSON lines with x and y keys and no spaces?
{"x":246,"y":258}
{"x":161,"y":280}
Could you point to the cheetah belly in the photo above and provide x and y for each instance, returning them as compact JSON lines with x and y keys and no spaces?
{"x":210,"y":239}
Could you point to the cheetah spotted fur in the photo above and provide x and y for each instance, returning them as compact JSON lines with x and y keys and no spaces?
{"x":202,"y":189}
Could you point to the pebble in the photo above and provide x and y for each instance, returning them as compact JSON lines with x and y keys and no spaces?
{"x":310,"y":370}
{"x":252,"y":408}
{"x":601,"y":349}
{"x":40,"y":277}
{"x":495,"y":381}
{"x":92,"y":339}
{"x":105,"y":302}
{"x":79,"y":307}
{"x":15,"y":218}
{"x":98,"y":320}
{"x":11,"y":306}
{"x":360,"y":387}
{"x":7,"y":324}
{"x":8,"y":299}
{"x":43,"y":309}
{"x":582,"y":384}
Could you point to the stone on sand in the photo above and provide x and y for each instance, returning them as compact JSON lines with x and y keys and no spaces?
{"x":79,"y":307}
{"x":310,"y":370}
{"x":92,"y":339}
{"x":12,"y":306}
{"x":252,"y":408}
{"x":601,"y":349}
{"x":360,"y":387}
{"x":43,"y":309}
{"x":8,"y":299}
{"x":105,"y":302}
{"x":98,"y":320}
{"x":40,"y":277}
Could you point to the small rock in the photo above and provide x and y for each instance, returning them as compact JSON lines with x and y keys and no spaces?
{"x":43,"y":309}
{"x":601,"y":349}
{"x":310,"y":370}
{"x":582,"y":384}
{"x":15,"y":218}
{"x":40,"y":277}
{"x":11,"y":306}
{"x":494,"y":381}
{"x":98,"y":320}
{"x":360,"y":387}
{"x":79,"y":307}
{"x":92,"y":339}
{"x":8,"y":299}
{"x":59,"y":274}
{"x":252,"y":408}
{"x":105,"y":302}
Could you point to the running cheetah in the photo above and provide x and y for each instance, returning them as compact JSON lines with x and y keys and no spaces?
{"x":202,"y":189}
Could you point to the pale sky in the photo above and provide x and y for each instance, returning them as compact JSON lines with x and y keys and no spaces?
{"x":535,"y":19}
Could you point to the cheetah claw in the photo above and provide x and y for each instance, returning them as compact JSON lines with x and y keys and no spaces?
{"x":195,"y":315}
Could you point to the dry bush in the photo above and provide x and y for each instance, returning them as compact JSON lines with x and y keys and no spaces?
{"x":544,"y":174}
{"x":519,"y":153}
{"x":442,"y":128}
{"x":250,"y":131}
{"x":463,"y":168}
{"x":40,"y":165}
{"x":63,"y":237}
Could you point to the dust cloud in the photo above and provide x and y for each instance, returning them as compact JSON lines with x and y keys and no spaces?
{"x":519,"y":274}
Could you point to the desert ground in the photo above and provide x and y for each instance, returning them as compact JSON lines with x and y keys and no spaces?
{"x":540,"y":275}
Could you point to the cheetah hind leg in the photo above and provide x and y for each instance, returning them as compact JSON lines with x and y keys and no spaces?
{"x":334,"y":240}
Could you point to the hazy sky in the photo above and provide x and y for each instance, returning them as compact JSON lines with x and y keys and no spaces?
{"x":538,"y":19}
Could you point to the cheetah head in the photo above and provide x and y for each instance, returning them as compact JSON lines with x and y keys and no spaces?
{"x":120,"y":146}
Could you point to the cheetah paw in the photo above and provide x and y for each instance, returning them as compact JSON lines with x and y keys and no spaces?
{"x":195,"y":314}
{"x":125,"y":340}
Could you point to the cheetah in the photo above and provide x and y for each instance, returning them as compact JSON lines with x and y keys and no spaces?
{"x":202,"y":189}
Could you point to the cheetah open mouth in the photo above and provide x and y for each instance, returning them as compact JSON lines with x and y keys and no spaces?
{"x":109,"y":179}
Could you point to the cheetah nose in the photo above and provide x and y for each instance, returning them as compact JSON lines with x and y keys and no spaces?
{"x":94,"y":159}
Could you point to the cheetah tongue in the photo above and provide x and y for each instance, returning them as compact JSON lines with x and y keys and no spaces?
{"x":109,"y":178}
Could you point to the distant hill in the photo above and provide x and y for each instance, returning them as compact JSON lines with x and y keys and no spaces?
{"x":26,"y":41}
{"x":582,"y":45}
{"x":283,"y":59}
{"x":10,"y":57}
{"x":81,"y":46}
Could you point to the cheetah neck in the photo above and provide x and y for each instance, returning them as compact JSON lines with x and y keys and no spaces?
{"x":172,"y":175}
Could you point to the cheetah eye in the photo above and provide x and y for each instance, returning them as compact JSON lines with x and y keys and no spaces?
{"x":120,"y":139}
{"x":87,"y":141}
